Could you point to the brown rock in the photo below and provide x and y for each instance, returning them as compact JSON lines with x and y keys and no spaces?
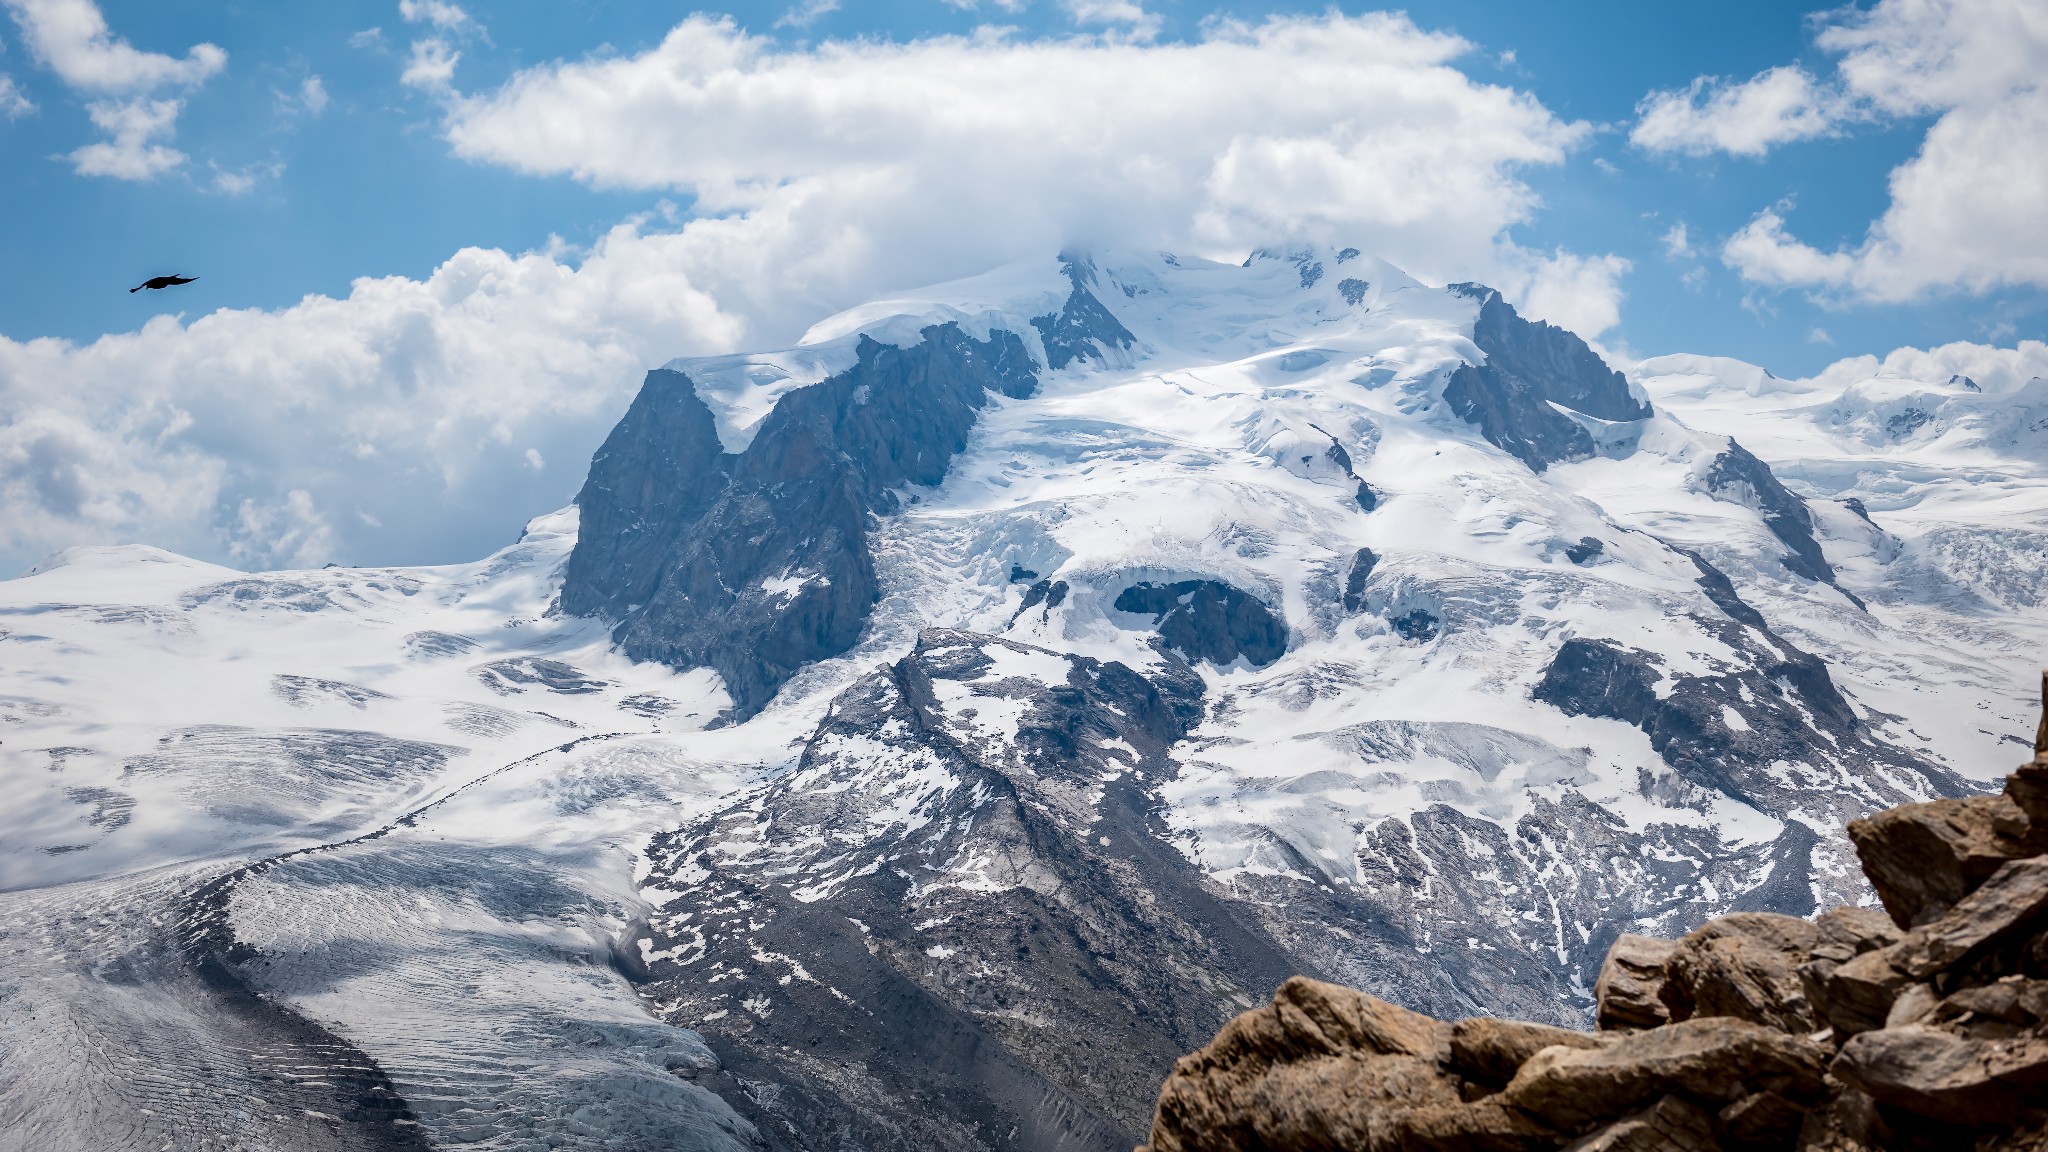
{"x":1914,"y":1004}
{"x":1626,"y":994}
{"x":1849,"y":1122}
{"x":1216,"y":1098}
{"x":2028,"y":789}
{"x":1490,"y":1050}
{"x":1708,"y":1058}
{"x":1945,"y":1077}
{"x":2006,"y":906}
{"x":1481,"y":1126}
{"x":1743,"y":966}
{"x":1336,"y":1102}
{"x":1672,"y":1124}
{"x":2014,"y":1001}
{"x":1923,"y":858}
{"x":1860,"y":993}
{"x":1762,"y":1119}
{"x":1844,"y":933}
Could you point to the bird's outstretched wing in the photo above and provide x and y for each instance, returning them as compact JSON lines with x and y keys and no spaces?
{"x":156,"y":282}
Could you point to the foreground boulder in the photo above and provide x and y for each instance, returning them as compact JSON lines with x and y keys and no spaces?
{"x":1921,"y":1027}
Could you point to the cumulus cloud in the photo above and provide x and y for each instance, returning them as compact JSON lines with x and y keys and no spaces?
{"x":1746,"y":119}
{"x":432,"y":64}
{"x":1994,"y":369}
{"x":1964,"y":212}
{"x":132,"y":151}
{"x":313,"y":95}
{"x":413,"y":420}
{"x":825,"y":174}
{"x":72,"y":39}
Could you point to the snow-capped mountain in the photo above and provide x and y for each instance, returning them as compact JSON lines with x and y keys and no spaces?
{"x":919,"y":737}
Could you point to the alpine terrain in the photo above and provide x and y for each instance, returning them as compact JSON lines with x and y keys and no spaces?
{"x":920,"y":737}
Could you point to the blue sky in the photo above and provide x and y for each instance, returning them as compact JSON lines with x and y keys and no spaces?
{"x":1750,"y":179}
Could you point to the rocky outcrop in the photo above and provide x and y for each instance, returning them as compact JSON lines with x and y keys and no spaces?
{"x":1209,"y":620}
{"x":1738,"y":475}
{"x":1733,"y":730}
{"x":1531,"y":369}
{"x":1923,"y":1029}
{"x":757,"y":564}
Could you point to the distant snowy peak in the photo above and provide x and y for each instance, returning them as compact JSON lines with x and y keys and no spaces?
{"x":1076,"y":308}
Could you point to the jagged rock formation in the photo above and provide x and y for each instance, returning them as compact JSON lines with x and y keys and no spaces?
{"x":1531,"y":366}
{"x":1919,"y":1030}
{"x":757,"y":564}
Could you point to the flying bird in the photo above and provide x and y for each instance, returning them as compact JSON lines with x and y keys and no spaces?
{"x":156,"y":282}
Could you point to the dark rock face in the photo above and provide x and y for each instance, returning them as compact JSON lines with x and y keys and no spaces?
{"x":934,"y":933}
{"x":760,"y":561}
{"x":1362,"y":565}
{"x":1209,"y":620}
{"x":1530,"y":366}
{"x":657,"y":472}
{"x":1353,"y":290}
{"x":1735,"y":473}
{"x":1727,"y":732}
{"x":1083,"y":328}
{"x":1587,"y":550}
{"x":1417,"y":624}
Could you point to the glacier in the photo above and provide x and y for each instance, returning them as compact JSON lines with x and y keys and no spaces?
{"x":918,"y":737}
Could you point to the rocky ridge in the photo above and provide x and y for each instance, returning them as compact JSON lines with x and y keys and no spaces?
{"x":1924,"y":1026}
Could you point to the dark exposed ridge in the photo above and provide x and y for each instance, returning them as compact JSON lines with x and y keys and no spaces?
{"x":757,"y":564}
{"x":1082,"y":329}
{"x":1531,"y":365}
{"x":1784,"y":513}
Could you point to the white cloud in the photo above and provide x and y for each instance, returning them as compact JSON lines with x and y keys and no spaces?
{"x":1582,"y":293}
{"x":1965,"y":211}
{"x":1677,"y":242}
{"x":432,"y":65}
{"x":313,"y":95}
{"x":827,"y":174}
{"x":132,"y":153}
{"x":1994,"y":369}
{"x":1818,"y":336}
{"x":1130,"y":14}
{"x":72,"y":38}
{"x":438,"y":13}
{"x":411,"y":421}
{"x":14,"y":103}
{"x":1746,"y":119}
{"x":807,"y":14}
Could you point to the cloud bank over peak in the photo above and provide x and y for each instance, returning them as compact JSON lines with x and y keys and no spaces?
{"x":1964,"y":212}
{"x":827,"y":173}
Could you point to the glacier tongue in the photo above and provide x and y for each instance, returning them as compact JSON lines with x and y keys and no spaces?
{"x":1060,"y":659}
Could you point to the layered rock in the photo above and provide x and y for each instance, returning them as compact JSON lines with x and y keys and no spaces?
{"x":1922,"y":1027}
